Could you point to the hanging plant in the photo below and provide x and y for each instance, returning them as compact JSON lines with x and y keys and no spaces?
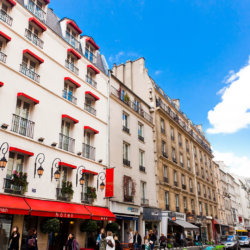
{"x":88,"y":226}
{"x":126,"y":98}
{"x":67,"y":188}
{"x":50,"y":226}
{"x":91,"y":192}
{"x":19,"y":179}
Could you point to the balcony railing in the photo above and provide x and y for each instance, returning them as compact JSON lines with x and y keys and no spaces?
{"x":68,"y":96}
{"x":165,"y":179}
{"x":22,"y":126}
{"x":30,"y":73}
{"x":144,"y":202}
{"x":126,"y":162}
{"x":141,"y":138}
{"x":184,"y":186}
{"x":36,"y":10}
{"x":193,"y":212}
{"x":176,"y":183}
{"x":174,"y":160}
{"x":88,"y":151}
{"x":12,"y":189}
{"x":6,"y":18}
{"x":91,"y":81}
{"x":128,"y":198}
{"x":85,"y":199}
{"x":69,"y":65}
{"x":177,"y":209}
{"x":167,"y":207}
{"x":182,"y":164}
{"x":72,"y":41}
{"x":142,"y":168}
{"x":164,"y":154}
{"x":33,"y":38}
{"x":172,"y":137}
{"x":191,"y":190}
{"x":3,"y":57}
{"x":66,"y":143}
{"x":89,"y":108}
{"x":62,"y":196}
{"x":90,"y":56}
{"x":125,"y":129}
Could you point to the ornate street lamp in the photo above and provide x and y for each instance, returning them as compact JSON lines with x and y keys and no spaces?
{"x":40,"y":158}
{"x":102,"y":177}
{"x":57,"y":174}
{"x":4,"y":148}
{"x":82,"y":179}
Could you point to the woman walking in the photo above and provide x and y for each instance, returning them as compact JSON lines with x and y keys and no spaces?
{"x":71,"y":243}
{"x":14,"y":239}
{"x":110,"y":241}
{"x":31,"y":241}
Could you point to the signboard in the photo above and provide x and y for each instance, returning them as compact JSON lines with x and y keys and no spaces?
{"x":109,"y":191}
{"x":124,"y":209}
{"x":151,"y":214}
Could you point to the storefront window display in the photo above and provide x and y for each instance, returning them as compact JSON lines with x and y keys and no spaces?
{"x":5,"y":230}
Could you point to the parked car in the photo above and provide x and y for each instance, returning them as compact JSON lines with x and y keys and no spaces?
{"x":244,"y":241}
{"x":232,"y":243}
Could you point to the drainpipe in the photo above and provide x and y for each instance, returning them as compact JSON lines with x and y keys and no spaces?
{"x":108,"y":128}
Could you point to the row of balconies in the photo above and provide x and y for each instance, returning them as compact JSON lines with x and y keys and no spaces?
{"x":127,"y":130}
{"x":127,"y":163}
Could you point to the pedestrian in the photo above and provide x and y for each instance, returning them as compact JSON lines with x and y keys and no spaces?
{"x":137,"y":241}
{"x":152,"y":239}
{"x":102,"y":240}
{"x":130,"y":239}
{"x":110,"y":241}
{"x":31,"y":241}
{"x":98,"y":240}
{"x":163,"y":241}
{"x":14,"y":239}
{"x":147,"y":246}
{"x":72,"y":243}
{"x":117,"y":243}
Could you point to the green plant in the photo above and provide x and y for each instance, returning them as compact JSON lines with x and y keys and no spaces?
{"x":50,"y":226}
{"x":126,"y":98}
{"x":67,"y":188}
{"x":91,"y":192}
{"x":113,"y":227}
{"x":88,"y":226}
{"x":19,"y":179}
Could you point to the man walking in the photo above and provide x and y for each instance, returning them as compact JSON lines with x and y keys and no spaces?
{"x":137,"y":241}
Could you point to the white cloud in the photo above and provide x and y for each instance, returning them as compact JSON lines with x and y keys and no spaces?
{"x":117,"y":58}
{"x":232,"y":113}
{"x":237,"y":165}
{"x":158,"y":72}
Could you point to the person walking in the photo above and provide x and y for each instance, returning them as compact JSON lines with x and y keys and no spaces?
{"x":100,"y":235}
{"x":14,"y":239}
{"x":163,"y":241}
{"x":110,"y":241}
{"x":117,"y":243}
{"x":137,"y":241}
{"x":72,"y":243}
{"x":130,"y":239}
{"x":102,"y":240}
{"x":152,"y":239}
{"x":31,"y":241}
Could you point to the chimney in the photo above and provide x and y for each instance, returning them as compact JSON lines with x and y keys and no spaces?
{"x":199,"y":127}
{"x":177,"y":103}
{"x":128,"y":74}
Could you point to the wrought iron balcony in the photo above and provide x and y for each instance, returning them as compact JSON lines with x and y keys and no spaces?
{"x":164,"y":154}
{"x":66,"y":143}
{"x":191,"y":190}
{"x":125,"y":129}
{"x":126,"y":162}
{"x":163,"y":131}
{"x":184,"y":186}
{"x":176,"y":183}
{"x":6,"y":18}
{"x":3,"y":57}
{"x":12,"y":189}
{"x":128,"y":198}
{"x":88,"y":54}
{"x":167,"y":207}
{"x":89,"y":108}
{"x":68,"y":96}
{"x":62,"y":196}
{"x":91,"y":81}
{"x":142,"y":169}
{"x":144,"y":202}
{"x":193,"y":212}
{"x":30,"y":73}
{"x":172,"y":137}
{"x":22,"y":126}
{"x":72,"y":41}
{"x":165,"y":179}
{"x":182,"y":164}
{"x":85,"y":199}
{"x":177,"y":209}
{"x":36,"y":10}
{"x":34,"y":38}
{"x":141,"y":138}
{"x":88,"y":151}
{"x":69,"y":65}
{"x":174,"y":160}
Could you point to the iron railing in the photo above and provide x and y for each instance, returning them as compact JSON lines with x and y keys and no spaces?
{"x":62,"y":196}
{"x":22,"y":126}
{"x":184,"y":186}
{"x":36,"y":10}
{"x":88,"y":54}
{"x":72,"y":41}
{"x":164,"y":154}
{"x":126,"y":162}
{"x":6,"y":18}
{"x":142,"y":168}
{"x":125,"y":129}
{"x":66,"y":143}
{"x":141,"y":138}
{"x":3,"y":57}
{"x":34,"y":38}
{"x":89,"y":108}
{"x":165,"y":179}
{"x":88,"y":151}
{"x":176,"y":183}
{"x":30,"y":73}
{"x":69,"y":65}
{"x":68,"y":96}
{"x":85,"y":199}
{"x":12,"y":189}
{"x":144,"y":202}
{"x":91,"y":81}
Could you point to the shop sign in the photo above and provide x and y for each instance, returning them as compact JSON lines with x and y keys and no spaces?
{"x":4,"y":210}
{"x":133,"y":209}
{"x":125,"y":209}
{"x":178,"y":216}
{"x":151,"y":214}
{"x":64,"y":215}
{"x":191,"y":218}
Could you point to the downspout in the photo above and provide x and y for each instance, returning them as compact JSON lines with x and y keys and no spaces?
{"x":108,"y":129}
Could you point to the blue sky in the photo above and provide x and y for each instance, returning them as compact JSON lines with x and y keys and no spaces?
{"x":191,"y":48}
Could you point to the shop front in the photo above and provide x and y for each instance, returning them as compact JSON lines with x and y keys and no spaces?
{"x":201,"y":222}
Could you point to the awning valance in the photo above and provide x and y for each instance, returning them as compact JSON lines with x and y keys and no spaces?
{"x":6,"y":37}
{"x":64,"y":164}
{"x":186,"y":225}
{"x":91,"y":129}
{"x":90,"y":66}
{"x":73,"y":24}
{"x":72,"y":81}
{"x":90,"y":40}
{"x":13,"y":205}
{"x":39,"y":59}
{"x":73,"y":52}
{"x":12,"y":2}
{"x":85,"y":171}
{"x":100,"y":213}
{"x":92,"y":95}
{"x":57,"y":209}
{"x":37,"y":23}
{"x":27,"y":98}
{"x":21,"y":151}
{"x":69,"y":118}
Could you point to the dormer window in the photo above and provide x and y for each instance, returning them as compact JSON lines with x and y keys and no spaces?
{"x":90,"y":49}
{"x":6,"y":6}
{"x":4,"y":39}
{"x":72,"y":38}
{"x":91,"y":74}
{"x":37,"y":8}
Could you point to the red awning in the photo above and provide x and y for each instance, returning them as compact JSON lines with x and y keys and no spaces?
{"x":73,"y":24}
{"x":90,"y":40}
{"x":100,"y":213}
{"x":85,"y":171}
{"x":12,"y":2}
{"x":57,"y":209}
{"x":6,"y":37}
{"x":39,"y":59}
{"x":13,"y":205}
{"x":69,"y":118}
{"x":64,"y":164}
{"x":21,"y":151}
{"x":39,"y":24}
{"x":93,"y":68}
{"x":93,"y":95}
{"x":72,"y":51}
{"x":91,"y":129}
{"x":1,"y":84}
{"x":27,"y":98}
{"x":72,"y":81}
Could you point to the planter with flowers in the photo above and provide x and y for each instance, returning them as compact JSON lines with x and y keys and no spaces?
{"x":66,"y":192}
{"x":18,"y":183}
{"x":91,"y":194}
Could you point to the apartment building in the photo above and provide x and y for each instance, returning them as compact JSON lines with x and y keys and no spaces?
{"x":54,"y":99}
{"x":132,"y":153}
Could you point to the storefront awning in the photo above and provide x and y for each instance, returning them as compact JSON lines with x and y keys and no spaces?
{"x":100,"y":213}
{"x":186,"y":225}
{"x":21,"y":151}
{"x":13,"y":205}
{"x":57,"y":209}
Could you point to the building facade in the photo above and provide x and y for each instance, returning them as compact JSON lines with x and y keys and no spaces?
{"x":54,"y":99}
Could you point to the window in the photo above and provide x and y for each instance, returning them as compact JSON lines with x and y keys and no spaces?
{"x":162,"y":126}
{"x":188,"y":164}
{"x":198,"y":188}
{"x":181,"y":160}
{"x":191,"y":185}
{"x":15,"y":163}
{"x":206,"y":208}
{"x":192,"y":205}
{"x":175,"y":178}
{"x":202,"y":172}
{"x":163,"y":148}
{"x":125,"y":151}
{"x":141,"y":157}
{"x":205,"y":159}
{"x":6,"y":224}
{"x":125,"y":122}
{"x":128,"y":188}
{"x":63,"y":176}
{"x":89,"y":52}
{"x":195,"y":152}
{"x":200,"y":207}
{"x":211,"y":210}
{"x":187,"y":145}
{"x":33,"y":33}
{"x":204,"y":191}
{"x":165,"y":171}
{"x":179,"y":139}
{"x":172,"y":133}
{"x":68,"y":93}
{"x":200,"y":156}
{"x":140,"y":131}
{"x":65,"y":128}
{"x":167,"y":200}
{"x":122,"y":96}
{"x":173,"y":155}
{"x":136,"y":105}
{"x":183,"y":179}
{"x":143,"y":192}
{"x":177,"y":200}
{"x":185,"y":202}
{"x":28,"y":68}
